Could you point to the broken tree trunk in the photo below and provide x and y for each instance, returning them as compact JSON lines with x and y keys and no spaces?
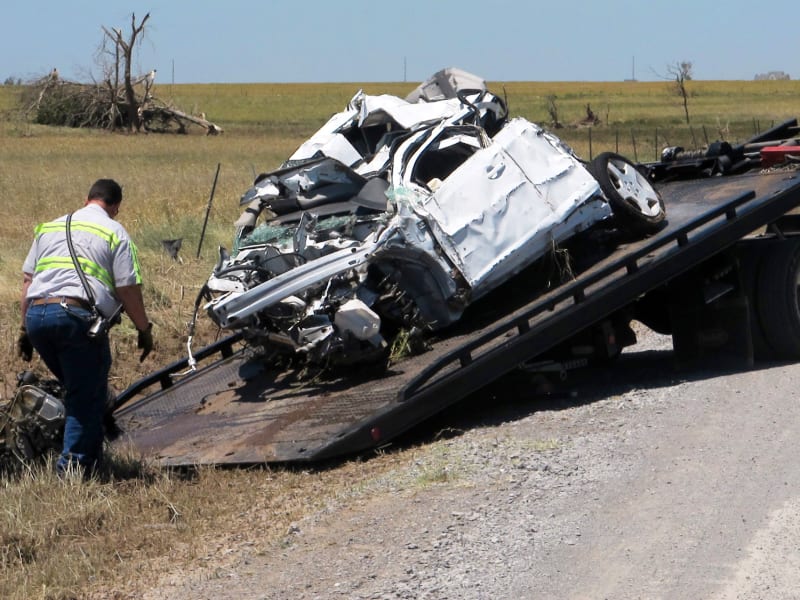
{"x":211,"y":128}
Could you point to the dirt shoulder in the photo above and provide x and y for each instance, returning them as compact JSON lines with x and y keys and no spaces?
{"x":639,"y":482}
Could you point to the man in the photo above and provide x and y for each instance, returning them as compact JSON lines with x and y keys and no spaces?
{"x":57,"y":312}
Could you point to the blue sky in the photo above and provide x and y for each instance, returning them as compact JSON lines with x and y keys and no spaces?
{"x":234,"y":41}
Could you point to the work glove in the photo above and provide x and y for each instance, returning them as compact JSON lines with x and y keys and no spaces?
{"x":145,"y":342}
{"x":24,"y":346}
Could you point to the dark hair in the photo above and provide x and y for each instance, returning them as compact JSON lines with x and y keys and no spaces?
{"x":106,"y":190}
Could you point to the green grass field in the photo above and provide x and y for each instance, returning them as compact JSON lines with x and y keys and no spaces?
{"x":124,"y":530}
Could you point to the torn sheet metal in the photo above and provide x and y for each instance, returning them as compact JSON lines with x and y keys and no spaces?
{"x":507,"y":202}
{"x":390,"y":113}
{"x":446,"y":84}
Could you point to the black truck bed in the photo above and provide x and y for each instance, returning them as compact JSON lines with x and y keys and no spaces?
{"x":236,"y":410}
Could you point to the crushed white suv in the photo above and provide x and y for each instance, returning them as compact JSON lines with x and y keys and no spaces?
{"x":399,"y":213}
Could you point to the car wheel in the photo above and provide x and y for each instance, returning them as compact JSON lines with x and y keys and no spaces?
{"x":778,"y":301}
{"x":638,"y":207}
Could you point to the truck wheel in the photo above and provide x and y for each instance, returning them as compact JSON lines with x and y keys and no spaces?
{"x":638,"y":207}
{"x":778,"y":310}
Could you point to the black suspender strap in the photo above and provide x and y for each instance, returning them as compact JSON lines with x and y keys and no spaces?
{"x":78,"y":268}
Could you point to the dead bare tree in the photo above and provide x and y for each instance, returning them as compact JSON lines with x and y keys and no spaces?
{"x":122,"y":50}
{"x":552,"y":110}
{"x":117,"y":99}
{"x":681,"y":72}
{"x":591,"y":119}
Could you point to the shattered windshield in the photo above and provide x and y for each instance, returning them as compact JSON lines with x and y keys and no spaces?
{"x":283,"y":234}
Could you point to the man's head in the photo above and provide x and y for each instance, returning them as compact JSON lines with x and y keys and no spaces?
{"x":106,"y":190}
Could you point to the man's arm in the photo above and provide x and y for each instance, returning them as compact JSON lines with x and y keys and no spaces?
{"x":133,"y":304}
{"x":27,"y":278}
{"x":24,"y":346}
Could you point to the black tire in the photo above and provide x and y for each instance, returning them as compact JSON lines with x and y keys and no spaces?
{"x":638,"y":207}
{"x":777,"y":302}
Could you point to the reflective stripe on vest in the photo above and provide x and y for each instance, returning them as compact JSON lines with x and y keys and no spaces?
{"x":87,"y":266}
{"x":104,"y":233}
{"x":137,"y":271}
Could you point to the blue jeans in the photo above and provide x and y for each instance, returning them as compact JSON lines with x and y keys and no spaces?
{"x":81,"y":364}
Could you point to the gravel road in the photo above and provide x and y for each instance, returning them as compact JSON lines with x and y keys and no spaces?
{"x":635,"y":482}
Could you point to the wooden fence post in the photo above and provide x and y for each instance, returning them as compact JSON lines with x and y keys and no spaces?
{"x":655,"y":145}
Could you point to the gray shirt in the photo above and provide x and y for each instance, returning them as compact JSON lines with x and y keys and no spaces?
{"x":106,"y":253}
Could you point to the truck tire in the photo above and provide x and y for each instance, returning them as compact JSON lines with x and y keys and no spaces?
{"x":778,"y":310}
{"x":638,"y":207}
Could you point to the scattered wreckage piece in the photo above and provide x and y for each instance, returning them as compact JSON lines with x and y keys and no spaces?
{"x":32,"y":422}
{"x":774,"y":146}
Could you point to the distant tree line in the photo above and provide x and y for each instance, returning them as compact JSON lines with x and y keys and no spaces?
{"x":772,"y":75}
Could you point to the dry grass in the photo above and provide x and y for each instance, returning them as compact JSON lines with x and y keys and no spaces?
{"x":68,"y":540}
{"x":112,"y":538}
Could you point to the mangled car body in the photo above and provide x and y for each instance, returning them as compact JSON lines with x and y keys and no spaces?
{"x":399,"y":213}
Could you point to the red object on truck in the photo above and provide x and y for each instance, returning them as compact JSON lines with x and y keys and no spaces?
{"x":773,"y":155}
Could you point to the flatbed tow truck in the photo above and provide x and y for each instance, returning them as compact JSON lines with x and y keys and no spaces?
{"x":721,"y":277}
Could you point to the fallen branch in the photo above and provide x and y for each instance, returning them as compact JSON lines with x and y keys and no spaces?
{"x":211,"y":128}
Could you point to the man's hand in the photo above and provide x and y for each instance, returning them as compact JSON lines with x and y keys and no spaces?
{"x":24,"y":346}
{"x":145,"y":343}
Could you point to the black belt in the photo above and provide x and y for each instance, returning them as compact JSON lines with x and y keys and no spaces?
{"x":79,"y":302}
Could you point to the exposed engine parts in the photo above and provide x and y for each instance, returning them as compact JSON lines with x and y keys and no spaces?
{"x":32,"y":422}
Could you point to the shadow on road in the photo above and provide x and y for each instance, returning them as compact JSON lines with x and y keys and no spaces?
{"x":520,"y":394}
